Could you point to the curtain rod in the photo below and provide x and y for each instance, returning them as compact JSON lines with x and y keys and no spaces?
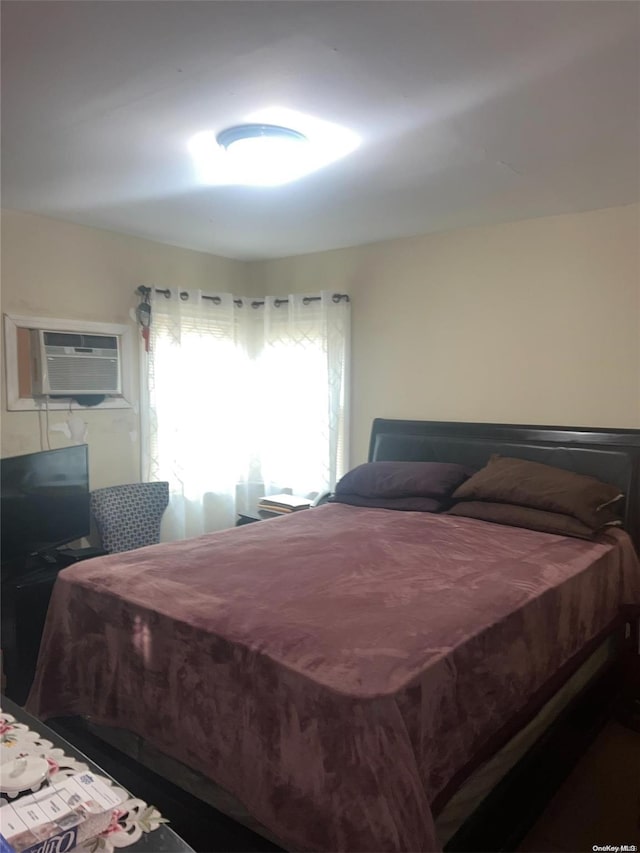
{"x":256,"y":303}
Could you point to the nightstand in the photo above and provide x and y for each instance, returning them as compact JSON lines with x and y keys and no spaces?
{"x":246,"y":519}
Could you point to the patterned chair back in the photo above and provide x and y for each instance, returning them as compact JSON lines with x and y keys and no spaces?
{"x":129,"y":516}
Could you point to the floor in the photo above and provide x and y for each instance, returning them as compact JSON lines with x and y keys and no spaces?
{"x":599,"y":803}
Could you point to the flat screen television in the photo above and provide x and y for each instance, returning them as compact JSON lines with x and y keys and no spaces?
{"x":44,"y":502}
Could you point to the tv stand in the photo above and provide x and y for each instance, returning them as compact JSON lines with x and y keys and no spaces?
{"x":25,"y":600}
{"x":75,"y":555}
{"x":49,"y":558}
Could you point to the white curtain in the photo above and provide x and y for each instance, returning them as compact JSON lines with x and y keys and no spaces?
{"x":243,"y":398}
{"x":302,"y":383}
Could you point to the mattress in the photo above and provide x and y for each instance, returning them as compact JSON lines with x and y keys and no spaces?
{"x":340,"y":672}
{"x":454,"y":813}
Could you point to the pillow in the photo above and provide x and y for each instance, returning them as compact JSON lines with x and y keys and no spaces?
{"x":414,"y":504}
{"x":403,"y":479}
{"x":524,"y":516}
{"x":532,"y":484}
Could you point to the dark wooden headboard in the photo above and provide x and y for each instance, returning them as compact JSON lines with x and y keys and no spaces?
{"x":611,"y":455}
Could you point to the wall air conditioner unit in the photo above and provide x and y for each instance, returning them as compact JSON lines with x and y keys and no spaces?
{"x":66,"y":364}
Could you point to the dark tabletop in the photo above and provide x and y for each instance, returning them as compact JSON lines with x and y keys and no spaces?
{"x":161,"y":840}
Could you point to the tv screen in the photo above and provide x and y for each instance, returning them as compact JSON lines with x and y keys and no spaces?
{"x":44,"y":501}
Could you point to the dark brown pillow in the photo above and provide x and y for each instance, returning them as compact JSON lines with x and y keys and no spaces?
{"x":532,"y":484}
{"x":403,"y":479}
{"x":413,"y":504}
{"x":523,"y":516}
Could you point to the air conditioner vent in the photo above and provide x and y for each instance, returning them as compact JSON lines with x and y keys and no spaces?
{"x":70,"y":339}
{"x":69,"y":373}
{"x":72,"y":364}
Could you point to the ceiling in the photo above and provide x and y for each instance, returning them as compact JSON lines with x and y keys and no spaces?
{"x":469,"y":113}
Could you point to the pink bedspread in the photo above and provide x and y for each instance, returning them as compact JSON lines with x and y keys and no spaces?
{"x":338,"y":669}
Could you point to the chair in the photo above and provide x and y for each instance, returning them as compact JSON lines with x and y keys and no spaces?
{"x":129,"y":516}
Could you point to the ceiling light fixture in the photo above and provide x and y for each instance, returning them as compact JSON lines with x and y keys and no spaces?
{"x":263,"y":154}
{"x":258,"y":132}
{"x":275,"y":147}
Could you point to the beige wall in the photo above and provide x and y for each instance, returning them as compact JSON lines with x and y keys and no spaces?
{"x":528,"y":322}
{"x":55,"y":269}
{"x":535,"y":321}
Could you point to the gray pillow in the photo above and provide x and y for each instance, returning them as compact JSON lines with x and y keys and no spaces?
{"x":403,"y":480}
{"x":411,"y":504}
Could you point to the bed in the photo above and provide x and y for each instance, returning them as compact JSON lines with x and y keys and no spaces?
{"x":347,"y":673}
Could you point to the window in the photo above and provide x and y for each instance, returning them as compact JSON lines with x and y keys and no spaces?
{"x":244,"y":401}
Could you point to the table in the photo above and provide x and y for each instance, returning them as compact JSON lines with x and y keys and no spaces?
{"x":137,"y":826}
{"x":246,"y":519}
